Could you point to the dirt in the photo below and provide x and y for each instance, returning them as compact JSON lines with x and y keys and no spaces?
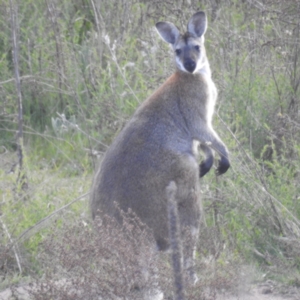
{"x":257,"y":293}
{"x":265,"y":291}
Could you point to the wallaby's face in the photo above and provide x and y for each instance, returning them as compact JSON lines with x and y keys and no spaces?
{"x":189,"y":48}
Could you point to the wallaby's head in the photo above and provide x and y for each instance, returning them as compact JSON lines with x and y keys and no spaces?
{"x":188,"y":47}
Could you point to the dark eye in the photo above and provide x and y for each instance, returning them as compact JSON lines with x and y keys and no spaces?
{"x":178,"y":51}
{"x":197,"y":48}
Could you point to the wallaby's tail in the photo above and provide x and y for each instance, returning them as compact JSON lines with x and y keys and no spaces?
{"x":175,"y":241}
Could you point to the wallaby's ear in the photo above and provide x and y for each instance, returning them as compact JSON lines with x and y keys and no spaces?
{"x":168,"y":32}
{"x":197,"y":24}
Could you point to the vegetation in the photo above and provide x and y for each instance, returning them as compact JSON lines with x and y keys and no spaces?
{"x":85,"y":66}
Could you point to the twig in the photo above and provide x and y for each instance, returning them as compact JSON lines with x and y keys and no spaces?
{"x":14,"y":247}
{"x":13,"y":79}
{"x":98,"y":19}
{"x":112,"y":53}
{"x":176,"y":247}
{"x":58,"y":48}
{"x":13,"y":18}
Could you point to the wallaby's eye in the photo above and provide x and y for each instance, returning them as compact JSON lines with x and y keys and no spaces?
{"x":197,"y":48}
{"x":178,"y":51}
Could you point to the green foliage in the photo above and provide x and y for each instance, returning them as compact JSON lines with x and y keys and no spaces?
{"x":27,"y":218}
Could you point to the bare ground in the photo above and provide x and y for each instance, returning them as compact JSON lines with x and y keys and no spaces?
{"x":265,"y":291}
{"x":261,"y":292}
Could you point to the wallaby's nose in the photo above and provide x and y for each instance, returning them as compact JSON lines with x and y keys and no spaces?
{"x":190,"y":65}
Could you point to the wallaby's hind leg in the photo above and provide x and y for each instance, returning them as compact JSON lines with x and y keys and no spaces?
{"x":189,"y":211}
{"x":189,"y":253}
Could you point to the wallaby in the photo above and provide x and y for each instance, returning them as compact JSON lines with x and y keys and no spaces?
{"x":159,"y":145}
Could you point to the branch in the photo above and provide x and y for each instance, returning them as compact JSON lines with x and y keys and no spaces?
{"x":14,"y":247}
{"x":15,"y":52}
{"x":38,"y":224}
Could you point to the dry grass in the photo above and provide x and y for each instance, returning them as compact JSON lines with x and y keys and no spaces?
{"x":109,"y":261}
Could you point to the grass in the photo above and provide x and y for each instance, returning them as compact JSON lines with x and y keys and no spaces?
{"x":27,"y":218}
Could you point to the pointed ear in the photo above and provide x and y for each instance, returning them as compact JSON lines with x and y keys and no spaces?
{"x":197,"y":24}
{"x":168,"y":32}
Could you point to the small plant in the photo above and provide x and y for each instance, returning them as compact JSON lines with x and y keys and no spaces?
{"x":61,"y":125}
{"x":107,"y":261}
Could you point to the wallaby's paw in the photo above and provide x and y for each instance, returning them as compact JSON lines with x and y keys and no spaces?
{"x":205,"y":166}
{"x":203,"y":169}
{"x":223,"y":166}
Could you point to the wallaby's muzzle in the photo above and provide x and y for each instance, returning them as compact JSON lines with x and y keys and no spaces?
{"x":189,"y":65}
